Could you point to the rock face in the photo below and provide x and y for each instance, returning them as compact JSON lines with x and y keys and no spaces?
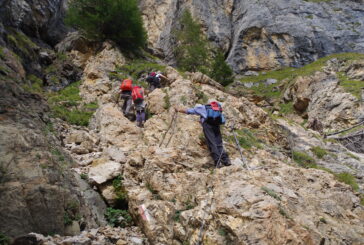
{"x":261,"y":35}
{"x":39,"y":192}
{"x":176,"y":197}
{"x":34,"y":171}
{"x":42,"y":19}
{"x":322,"y":98}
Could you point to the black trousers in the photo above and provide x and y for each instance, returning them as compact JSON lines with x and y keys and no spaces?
{"x":153,"y":86}
{"x":214,"y":141}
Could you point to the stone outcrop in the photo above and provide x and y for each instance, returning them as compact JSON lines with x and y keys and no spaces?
{"x":321,"y":97}
{"x":35,"y":177}
{"x":262,"y":35}
{"x":41,"y":19}
{"x":175,"y":196}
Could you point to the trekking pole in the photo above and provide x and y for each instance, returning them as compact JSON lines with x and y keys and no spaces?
{"x":169,"y":127}
{"x":239,"y":148}
{"x":173,"y":129}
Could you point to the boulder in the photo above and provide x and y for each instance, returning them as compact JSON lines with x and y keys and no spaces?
{"x":100,"y":172}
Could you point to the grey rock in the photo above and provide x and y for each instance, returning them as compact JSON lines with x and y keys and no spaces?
{"x":251,"y":73}
{"x":285,"y":33}
{"x":76,"y":241}
{"x":72,"y":229}
{"x":115,"y":154}
{"x":39,"y":19}
{"x":249,"y":85}
{"x":35,"y":176}
{"x":270,"y":81}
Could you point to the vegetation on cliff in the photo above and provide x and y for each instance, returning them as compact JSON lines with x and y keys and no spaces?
{"x":117,"y":20}
{"x":193,"y":52}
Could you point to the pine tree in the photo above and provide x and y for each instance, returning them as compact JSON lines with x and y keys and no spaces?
{"x":192,"y":47}
{"x":221,"y":71}
{"x":117,"y":20}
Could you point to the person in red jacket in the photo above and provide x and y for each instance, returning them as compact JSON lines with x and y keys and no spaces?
{"x":126,"y":88}
{"x":139,"y":104}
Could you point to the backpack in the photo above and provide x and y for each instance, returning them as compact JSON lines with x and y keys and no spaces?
{"x":152,"y":78}
{"x":126,"y":85}
{"x":214,"y":114}
{"x":137,"y":94}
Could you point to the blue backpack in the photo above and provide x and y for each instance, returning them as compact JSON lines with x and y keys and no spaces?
{"x":214,"y":114}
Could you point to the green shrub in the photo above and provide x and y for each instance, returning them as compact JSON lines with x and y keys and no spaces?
{"x":33,"y":84}
{"x":117,"y":20}
{"x":120,"y":192}
{"x":2,"y":55}
{"x":304,"y":160}
{"x":221,"y":71}
{"x":319,"y":152}
{"x":191,"y":50}
{"x":349,"y":179}
{"x":222,"y":232}
{"x":71,"y":213}
{"x":4,"y":240}
{"x":201,"y":97}
{"x":117,"y":217}
{"x":84,"y":176}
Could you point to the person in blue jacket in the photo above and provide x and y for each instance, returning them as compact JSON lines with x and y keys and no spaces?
{"x":211,"y":130}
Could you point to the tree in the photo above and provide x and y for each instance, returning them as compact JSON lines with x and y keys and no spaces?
{"x":192,"y":47}
{"x":221,"y":71}
{"x":117,"y":20}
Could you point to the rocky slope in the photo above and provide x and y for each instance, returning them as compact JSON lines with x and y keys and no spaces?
{"x":176,"y":196}
{"x":292,"y":191}
{"x":39,"y":193}
{"x":265,"y":34}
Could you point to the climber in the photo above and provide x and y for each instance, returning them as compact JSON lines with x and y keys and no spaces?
{"x":125,"y":94}
{"x":139,"y":104}
{"x":211,"y":118}
{"x":154,"y":80}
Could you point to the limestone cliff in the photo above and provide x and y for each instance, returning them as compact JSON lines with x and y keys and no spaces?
{"x":262,"y":35}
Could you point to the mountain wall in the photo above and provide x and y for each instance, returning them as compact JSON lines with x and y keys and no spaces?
{"x":262,"y":34}
{"x":38,"y":191}
{"x":41,"y":19}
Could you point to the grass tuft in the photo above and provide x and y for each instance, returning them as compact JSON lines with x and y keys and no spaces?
{"x":247,"y":139}
{"x":271,"y":193}
{"x":304,"y":160}
{"x":349,"y":179}
{"x":319,"y":152}
{"x":66,"y":104}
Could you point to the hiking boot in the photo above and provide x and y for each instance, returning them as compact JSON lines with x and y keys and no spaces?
{"x":228,"y":163}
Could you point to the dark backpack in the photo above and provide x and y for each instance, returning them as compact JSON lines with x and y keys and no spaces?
{"x":214,"y":114}
{"x":152,"y":80}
